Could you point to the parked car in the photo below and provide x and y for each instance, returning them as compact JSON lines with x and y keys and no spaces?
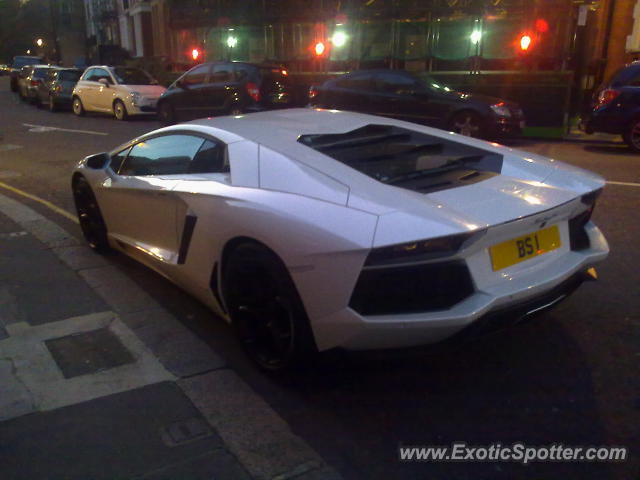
{"x":4,"y":69}
{"x":30,"y":78}
{"x":314,"y":229}
{"x":120,"y":91}
{"x":225,"y":88}
{"x":55,"y":91}
{"x":20,"y":61}
{"x":399,"y":94}
{"x":615,"y":106}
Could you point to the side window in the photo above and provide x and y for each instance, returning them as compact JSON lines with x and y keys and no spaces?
{"x":197,"y":76}
{"x":221,"y":73}
{"x":398,"y":84}
{"x":245,"y":72}
{"x":635,"y":81}
{"x":118,"y":159}
{"x":356,"y":82}
{"x":100,"y":73}
{"x":90,"y":75}
{"x":209,"y":159}
{"x":166,"y":155}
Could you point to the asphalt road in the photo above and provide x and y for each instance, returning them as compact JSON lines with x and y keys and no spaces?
{"x":569,"y":377}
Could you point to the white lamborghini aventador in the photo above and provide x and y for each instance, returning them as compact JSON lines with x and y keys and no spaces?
{"x":314,"y":229}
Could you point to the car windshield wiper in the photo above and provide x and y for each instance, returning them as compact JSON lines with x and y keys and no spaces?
{"x":430,"y":172}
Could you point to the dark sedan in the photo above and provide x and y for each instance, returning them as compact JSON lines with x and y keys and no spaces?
{"x":55,"y":91}
{"x":225,"y":88}
{"x":399,"y":94}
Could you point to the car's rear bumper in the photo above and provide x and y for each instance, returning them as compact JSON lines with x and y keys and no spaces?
{"x":485,"y":309}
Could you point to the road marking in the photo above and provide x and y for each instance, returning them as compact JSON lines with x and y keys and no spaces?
{"x":7,"y":146}
{"x":46,"y":203}
{"x":626,"y":184}
{"x":46,"y":128}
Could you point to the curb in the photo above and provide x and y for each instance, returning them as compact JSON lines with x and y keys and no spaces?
{"x":258,"y":437}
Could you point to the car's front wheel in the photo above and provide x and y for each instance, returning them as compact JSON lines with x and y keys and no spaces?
{"x":119,"y":110}
{"x":92,"y":224}
{"x":77,"y":107}
{"x":469,"y":124}
{"x":265,"y":308}
{"x":632,"y":135}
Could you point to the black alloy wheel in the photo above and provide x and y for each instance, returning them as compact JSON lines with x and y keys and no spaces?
{"x":632,"y":135}
{"x":92,"y":224}
{"x":166,"y":114}
{"x":468,"y":123}
{"x":265,"y":309}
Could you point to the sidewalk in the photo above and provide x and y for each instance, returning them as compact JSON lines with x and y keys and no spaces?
{"x":97,"y":381}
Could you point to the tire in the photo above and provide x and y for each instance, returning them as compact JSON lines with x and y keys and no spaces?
{"x":265,"y":308}
{"x":52,"y":104}
{"x":235,"y":109}
{"x":166,"y":113}
{"x":467,"y":123}
{"x":77,"y":106}
{"x":120,"y":110}
{"x":92,"y":224}
{"x":632,"y":135}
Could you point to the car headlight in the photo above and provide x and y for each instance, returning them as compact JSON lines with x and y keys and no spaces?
{"x":501,"y":110}
{"x":135,"y":97}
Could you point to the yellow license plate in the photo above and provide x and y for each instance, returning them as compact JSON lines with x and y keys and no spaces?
{"x":523,"y":248}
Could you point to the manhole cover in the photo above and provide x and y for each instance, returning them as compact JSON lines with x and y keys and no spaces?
{"x":88,"y":352}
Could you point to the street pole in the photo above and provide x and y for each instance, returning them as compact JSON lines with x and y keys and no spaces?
{"x":53,"y":10}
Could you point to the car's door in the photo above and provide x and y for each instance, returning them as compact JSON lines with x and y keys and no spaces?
{"x":187,"y":97}
{"x":104,"y":93}
{"x":138,"y":204}
{"x":403,"y":97}
{"x":353,"y":92}
{"x":219,"y":90}
{"x":87,"y":88}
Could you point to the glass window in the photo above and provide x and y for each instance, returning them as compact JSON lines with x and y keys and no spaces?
{"x":166,"y":155}
{"x":118,"y":159}
{"x":69,"y":76}
{"x":398,"y":84}
{"x":133,"y":76}
{"x":209,"y":159}
{"x":196,"y":76}
{"x":356,"y":82}
{"x":244,"y":72}
{"x":221,"y":73}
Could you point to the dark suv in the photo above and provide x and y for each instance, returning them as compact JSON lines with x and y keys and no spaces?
{"x":615,"y":107}
{"x":225,"y":88}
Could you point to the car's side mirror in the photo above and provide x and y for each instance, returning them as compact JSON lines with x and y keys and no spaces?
{"x":97,"y":161}
{"x":104,"y":82}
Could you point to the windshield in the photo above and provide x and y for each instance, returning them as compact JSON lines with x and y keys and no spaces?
{"x":133,"y":76}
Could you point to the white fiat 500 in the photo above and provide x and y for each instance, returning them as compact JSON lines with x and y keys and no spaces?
{"x":119,"y":91}
{"x":315,"y":229}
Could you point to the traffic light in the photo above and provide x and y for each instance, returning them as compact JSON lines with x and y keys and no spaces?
{"x":319,"y":49}
{"x":195,"y":54}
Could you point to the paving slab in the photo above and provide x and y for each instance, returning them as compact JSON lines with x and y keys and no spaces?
{"x":113,"y":437}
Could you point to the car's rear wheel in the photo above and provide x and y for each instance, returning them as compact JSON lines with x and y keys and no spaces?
{"x":265,"y":308}
{"x":632,"y":135}
{"x":119,"y":110}
{"x":77,"y":107}
{"x":235,"y":109}
{"x":166,"y":114}
{"x":467,"y":123}
{"x":92,"y":224}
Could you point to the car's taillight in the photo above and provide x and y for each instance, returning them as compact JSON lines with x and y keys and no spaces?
{"x":606,"y":97}
{"x":253,"y":91}
{"x":34,"y":82}
{"x":313,"y":91}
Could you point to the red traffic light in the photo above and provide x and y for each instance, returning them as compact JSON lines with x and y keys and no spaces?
{"x":195,"y":54}
{"x":319,"y":49}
